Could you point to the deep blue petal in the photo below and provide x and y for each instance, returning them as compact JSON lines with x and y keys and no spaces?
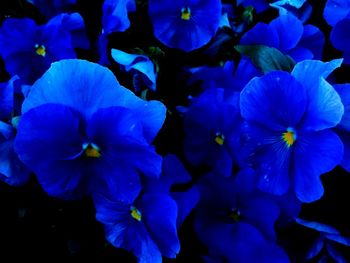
{"x":160,"y":213}
{"x":313,"y":40}
{"x":12,"y":170}
{"x":315,"y":153}
{"x":340,"y":35}
{"x":335,"y":254}
{"x":119,"y":134}
{"x":190,"y":34}
{"x":289,"y":30}
{"x":186,"y":201}
{"x":261,"y":34}
{"x":336,"y":10}
{"x":276,"y":101}
{"x":7,"y":91}
{"x":115,"y":15}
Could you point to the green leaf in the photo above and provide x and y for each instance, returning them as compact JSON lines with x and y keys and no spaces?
{"x":267,"y":58}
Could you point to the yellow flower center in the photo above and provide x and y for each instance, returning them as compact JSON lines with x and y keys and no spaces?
{"x":219,"y":138}
{"x":289,"y":137}
{"x":40,"y":50}
{"x":235,"y":215}
{"x":135,"y":213}
{"x":91,"y":150}
{"x":185,"y":13}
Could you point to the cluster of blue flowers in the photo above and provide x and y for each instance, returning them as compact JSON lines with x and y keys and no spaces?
{"x":218,"y":121}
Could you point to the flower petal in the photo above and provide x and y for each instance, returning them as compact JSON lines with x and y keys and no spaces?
{"x":276,"y":101}
{"x":315,"y":153}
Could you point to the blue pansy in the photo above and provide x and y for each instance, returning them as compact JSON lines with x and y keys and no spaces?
{"x":329,"y":238}
{"x":28,"y":49}
{"x":12,"y":170}
{"x":337,"y":14}
{"x":77,"y":136}
{"x":226,"y":77}
{"x":50,"y":8}
{"x":142,"y":68}
{"x":147,"y":225}
{"x":336,"y":10}
{"x":185,"y":24}
{"x":289,"y":35}
{"x":115,"y":15}
{"x":340,"y":38}
{"x":211,"y":125}
{"x":236,"y":221}
{"x":114,"y":19}
{"x":343,"y":128}
{"x":288,"y":117}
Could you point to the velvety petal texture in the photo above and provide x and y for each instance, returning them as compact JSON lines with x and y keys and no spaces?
{"x":287,"y":140}
{"x":78,"y":137}
{"x":185,"y":25}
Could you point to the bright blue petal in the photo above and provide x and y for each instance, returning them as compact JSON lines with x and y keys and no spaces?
{"x":336,"y":10}
{"x":289,"y":30}
{"x":314,"y":154}
{"x":159,"y":215}
{"x":141,"y":64}
{"x":276,"y":101}
{"x":344,"y":92}
{"x":322,"y":228}
{"x":325,"y":109}
{"x":81,"y":90}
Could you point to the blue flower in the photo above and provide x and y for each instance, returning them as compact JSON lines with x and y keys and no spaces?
{"x":185,"y":24}
{"x":226,"y":77}
{"x":236,"y":221}
{"x":77,"y":136}
{"x":288,"y":34}
{"x":12,"y":170}
{"x":29,"y":49}
{"x":343,"y":127}
{"x":115,"y":15}
{"x":147,"y":225}
{"x":50,"y":8}
{"x":340,"y":38}
{"x":288,"y":117}
{"x":143,"y":69}
{"x":211,"y":125}
{"x":336,"y":10}
{"x":337,"y":14}
{"x":329,"y":238}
